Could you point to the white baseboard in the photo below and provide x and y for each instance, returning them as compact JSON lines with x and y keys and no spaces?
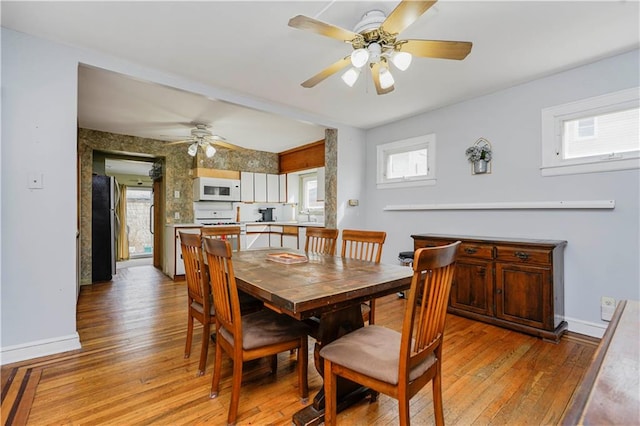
{"x":587,"y":328}
{"x":39,"y":348}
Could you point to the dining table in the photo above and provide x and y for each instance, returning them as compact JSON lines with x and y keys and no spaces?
{"x":326,"y":292}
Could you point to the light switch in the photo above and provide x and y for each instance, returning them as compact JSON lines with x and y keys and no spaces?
{"x":176,"y":194}
{"x":35,"y":181}
{"x":176,"y":215}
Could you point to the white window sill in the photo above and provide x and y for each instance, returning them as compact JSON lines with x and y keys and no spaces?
{"x":406,"y":184}
{"x":601,"y":166}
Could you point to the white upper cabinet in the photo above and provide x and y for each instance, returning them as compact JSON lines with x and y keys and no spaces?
{"x":273,"y":188}
{"x":246,"y":187}
{"x":260,"y":187}
{"x":282,"y":184}
{"x":293,"y":188}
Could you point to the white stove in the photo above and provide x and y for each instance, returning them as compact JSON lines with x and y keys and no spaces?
{"x":218,"y":214}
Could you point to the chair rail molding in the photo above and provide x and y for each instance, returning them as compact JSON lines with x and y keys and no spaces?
{"x":508,"y":205}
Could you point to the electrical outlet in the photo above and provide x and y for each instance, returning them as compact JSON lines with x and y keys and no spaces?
{"x":176,"y":215}
{"x":607,"y":308}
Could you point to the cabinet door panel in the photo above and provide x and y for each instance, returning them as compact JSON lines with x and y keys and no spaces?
{"x":472,"y":287}
{"x":523,"y":295}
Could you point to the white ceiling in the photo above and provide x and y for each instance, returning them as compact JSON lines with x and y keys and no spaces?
{"x":246,"y":47}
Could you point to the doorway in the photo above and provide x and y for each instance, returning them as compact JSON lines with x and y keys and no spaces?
{"x":139,"y":206}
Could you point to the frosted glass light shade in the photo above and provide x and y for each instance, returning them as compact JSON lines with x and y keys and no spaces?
{"x":210,"y":151}
{"x":193,"y":149}
{"x":359,"y":57}
{"x":350,"y":76}
{"x":401,"y":60}
{"x":386,"y":79}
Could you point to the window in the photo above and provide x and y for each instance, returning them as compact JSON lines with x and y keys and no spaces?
{"x":409,"y":162}
{"x":592,"y":135}
{"x":309,"y":193}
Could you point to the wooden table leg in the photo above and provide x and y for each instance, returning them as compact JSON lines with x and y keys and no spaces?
{"x":332,"y":326}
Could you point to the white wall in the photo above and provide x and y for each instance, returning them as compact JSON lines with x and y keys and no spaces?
{"x":39,"y":116}
{"x":38,"y":225}
{"x":602,"y":255}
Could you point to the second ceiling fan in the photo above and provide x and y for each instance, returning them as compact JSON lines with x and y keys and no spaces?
{"x":202,"y":137}
{"x":375,"y":43}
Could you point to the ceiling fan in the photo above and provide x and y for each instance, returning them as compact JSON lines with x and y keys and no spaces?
{"x":375,"y":42}
{"x":201,"y":136}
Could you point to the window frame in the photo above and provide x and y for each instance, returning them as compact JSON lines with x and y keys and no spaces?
{"x":552,"y":130}
{"x":427,"y":142}
{"x":302,"y":177}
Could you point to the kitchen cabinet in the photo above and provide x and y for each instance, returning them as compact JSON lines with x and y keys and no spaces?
{"x":246,"y":187}
{"x":173,"y":263}
{"x":290,"y":237}
{"x":282,"y":188}
{"x":275,"y":236}
{"x":273,"y":188}
{"x":302,"y":237}
{"x":513,"y":283}
{"x":293,"y":188}
{"x":260,"y":187}
{"x":257,"y":236}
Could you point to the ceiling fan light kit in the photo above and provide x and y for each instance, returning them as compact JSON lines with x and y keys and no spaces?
{"x":201,"y":136}
{"x":374,"y":40}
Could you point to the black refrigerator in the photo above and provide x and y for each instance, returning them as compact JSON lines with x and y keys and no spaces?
{"x":104,"y":227}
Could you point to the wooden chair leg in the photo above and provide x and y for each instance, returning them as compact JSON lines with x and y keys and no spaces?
{"x":235,"y":392}
{"x":403,"y":410}
{"x":217,"y":368}
{"x":204,"y":348}
{"x":437,"y":398}
{"x":187,"y":346}
{"x":330,"y":394}
{"x":303,"y":361}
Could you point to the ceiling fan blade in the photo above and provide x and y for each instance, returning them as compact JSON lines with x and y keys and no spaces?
{"x":375,"y":73}
{"x":330,"y":70}
{"x":437,"y":48}
{"x":225,"y":144}
{"x":405,"y":14}
{"x":179,"y":142}
{"x":309,"y":24}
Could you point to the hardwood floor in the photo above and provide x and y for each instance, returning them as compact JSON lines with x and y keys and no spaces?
{"x":131,"y":370}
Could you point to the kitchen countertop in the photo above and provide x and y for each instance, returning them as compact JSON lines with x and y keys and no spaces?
{"x":277,"y":223}
{"x":288,"y":223}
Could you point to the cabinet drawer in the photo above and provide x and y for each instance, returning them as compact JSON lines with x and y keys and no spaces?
{"x":524,"y":255}
{"x":290,"y":230}
{"x":429,"y":243}
{"x":276,"y":229}
{"x":476,"y":251}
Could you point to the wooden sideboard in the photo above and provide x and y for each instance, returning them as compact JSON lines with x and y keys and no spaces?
{"x":513,"y":283}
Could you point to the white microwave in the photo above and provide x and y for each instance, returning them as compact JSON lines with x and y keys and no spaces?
{"x":216,"y":189}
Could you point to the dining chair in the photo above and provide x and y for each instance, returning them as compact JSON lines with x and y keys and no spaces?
{"x":399,"y":364}
{"x":198,"y":294}
{"x":231,"y":233}
{"x":321,"y":240}
{"x":364,"y":245}
{"x":255,"y":335}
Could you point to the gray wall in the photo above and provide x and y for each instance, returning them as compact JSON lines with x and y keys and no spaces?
{"x":602,"y":255}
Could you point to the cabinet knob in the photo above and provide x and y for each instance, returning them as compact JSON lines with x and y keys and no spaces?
{"x":499,"y":291}
{"x":470,"y":250}
{"x":521,"y":255}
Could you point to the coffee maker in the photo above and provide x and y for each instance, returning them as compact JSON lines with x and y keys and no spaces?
{"x":267,"y":214}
